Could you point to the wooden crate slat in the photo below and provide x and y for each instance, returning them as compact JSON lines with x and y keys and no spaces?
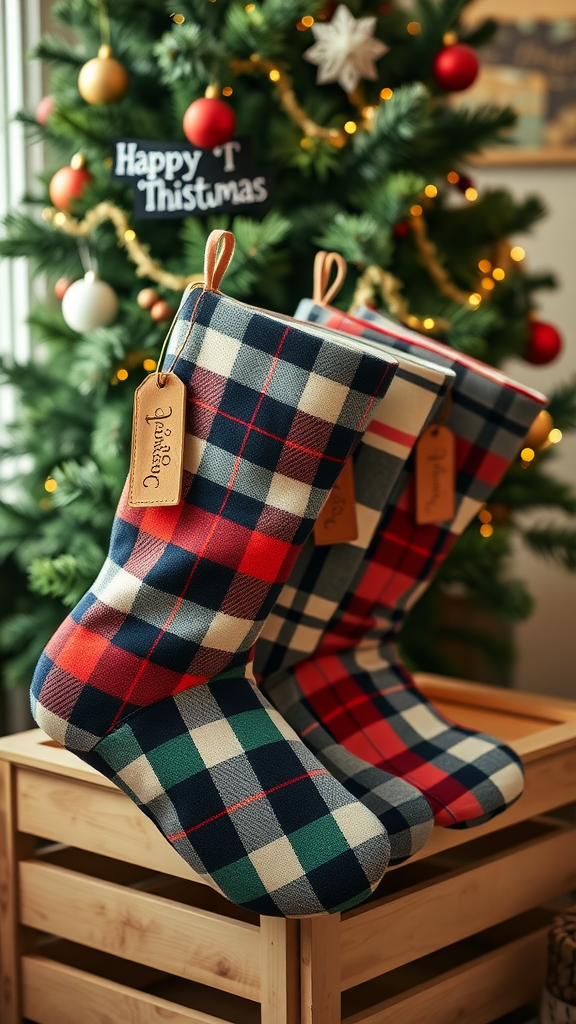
{"x":280,"y":971}
{"x":13,"y":942}
{"x":321,"y":989}
{"x":170,"y":936}
{"x":53,"y":993}
{"x":440,"y":912}
{"x":34,"y":749}
{"x":96,"y":819}
{"x":477,"y":992}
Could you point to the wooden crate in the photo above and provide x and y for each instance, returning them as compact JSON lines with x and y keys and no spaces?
{"x":102,"y":923}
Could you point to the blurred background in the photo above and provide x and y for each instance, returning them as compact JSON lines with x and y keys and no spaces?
{"x":531,"y":64}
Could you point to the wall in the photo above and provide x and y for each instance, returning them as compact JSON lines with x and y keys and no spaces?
{"x":547,"y":642}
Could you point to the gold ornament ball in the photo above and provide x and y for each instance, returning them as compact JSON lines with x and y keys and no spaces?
{"x":147,"y":298}
{"x":103,"y":79}
{"x":161,"y":311}
{"x":539,"y":430}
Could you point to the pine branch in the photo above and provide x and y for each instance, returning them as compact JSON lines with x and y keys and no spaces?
{"x":555,"y":543}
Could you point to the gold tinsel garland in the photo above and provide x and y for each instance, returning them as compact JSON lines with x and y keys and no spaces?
{"x":139,"y":253}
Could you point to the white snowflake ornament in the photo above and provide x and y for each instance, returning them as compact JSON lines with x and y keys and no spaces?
{"x":345,"y":49}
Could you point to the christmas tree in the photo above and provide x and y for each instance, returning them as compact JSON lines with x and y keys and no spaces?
{"x":347,"y":109}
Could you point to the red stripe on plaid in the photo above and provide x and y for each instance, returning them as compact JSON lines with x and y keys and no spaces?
{"x":248,"y":800}
{"x":391,"y":433}
{"x":180,"y":598}
{"x":266,"y":433}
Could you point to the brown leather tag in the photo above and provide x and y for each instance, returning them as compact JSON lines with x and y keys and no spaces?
{"x":435,"y":475}
{"x":158,"y":427}
{"x":337,"y":523}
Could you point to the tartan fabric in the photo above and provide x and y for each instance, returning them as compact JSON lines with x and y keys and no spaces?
{"x":244,"y":802}
{"x":355,"y":684}
{"x":321,"y":575}
{"x":274,"y":408}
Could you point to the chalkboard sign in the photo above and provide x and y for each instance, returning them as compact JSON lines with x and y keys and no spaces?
{"x":173,"y":179}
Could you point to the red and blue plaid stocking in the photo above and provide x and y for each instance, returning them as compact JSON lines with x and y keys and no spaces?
{"x":149,"y":679}
{"x":353,"y":697}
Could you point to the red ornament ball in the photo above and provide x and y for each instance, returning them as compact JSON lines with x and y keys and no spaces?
{"x":209,"y":122}
{"x":161,"y":311}
{"x":44,"y":109}
{"x":67,"y":185}
{"x":544,"y":345}
{"x":464,"y":183}
{"x":455,"y":67}
{"x":401,"y":229}
{"x":61,"y":287}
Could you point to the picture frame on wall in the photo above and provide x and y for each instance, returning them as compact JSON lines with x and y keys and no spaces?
{"x":531,"y":66}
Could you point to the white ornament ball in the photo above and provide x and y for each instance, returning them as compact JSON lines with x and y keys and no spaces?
{"x":89,"y":303}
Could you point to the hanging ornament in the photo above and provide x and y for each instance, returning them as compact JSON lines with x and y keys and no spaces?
{"x":464,"y":183}
{"x":544,"y":345}
{"x":69,"y":182}
{"x":455,"y":67}
{"x":161,"y":311}
{"x":146,"y":298}
{"x":61,"y":287}
{"x":345,"y":50}
{"x":89,"y":303}
{"x":44,"y":109}
{"x":538,"y":433}
{"x":401,"y":229}
{"x":103,"y":79}
{"x":209,"y":121}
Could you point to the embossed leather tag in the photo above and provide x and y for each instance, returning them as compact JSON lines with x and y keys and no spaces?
{"x":435,"y":475}
{"x":337,"y":523}
{"x":158,"y":427}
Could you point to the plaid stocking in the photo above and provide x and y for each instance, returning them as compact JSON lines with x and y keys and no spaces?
{"x":149,"y":679}
{"x":354,"y":691}
{"x":322,"y":576}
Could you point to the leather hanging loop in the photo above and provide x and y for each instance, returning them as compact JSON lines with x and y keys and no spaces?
{"x":219,"y":251}
{"x":323,"y":264}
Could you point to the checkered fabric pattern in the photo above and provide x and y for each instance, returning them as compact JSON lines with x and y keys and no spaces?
{"x":245,"y":803}
{"x":274,"y":409}
{"x":355,"y":685}
{"x":322,"y":575}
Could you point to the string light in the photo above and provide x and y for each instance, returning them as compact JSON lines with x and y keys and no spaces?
{"x":50,"y":485}
{"x":130,"y":235}
{"x":122,"y":374}
{"x":449,"y":38}
{"x":471,"y":194}
{"x":517,"y":253}
{"x":486,"y":530}
{"x":416,"y":210}
{"x":249,"y":8}
{"x":274,"y":75}
{"x":386,"y":94}
{"x":413,"y":27}
{"x":428,"y":323}
{"x":149,"y":364}
{"x":475,"y":299}
{"x":59,"y":219}
{"x":527,"y":454}
{"x":453,"y":177}
{"x":498,"y":274}
{"x":488,"y":284}
{"x":307,"y":21}
{"x":350,"y":127}
{"x":178,"y":19}
{"x":555,"y":436}
{"x":485,"y":516}
{"x":305,"y":142}
{"x":227,"y":90}
{"x":431,"y":191}
{"x":484,"y":266}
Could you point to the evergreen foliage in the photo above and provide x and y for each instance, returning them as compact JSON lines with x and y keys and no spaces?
{"x":74,"y":414}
